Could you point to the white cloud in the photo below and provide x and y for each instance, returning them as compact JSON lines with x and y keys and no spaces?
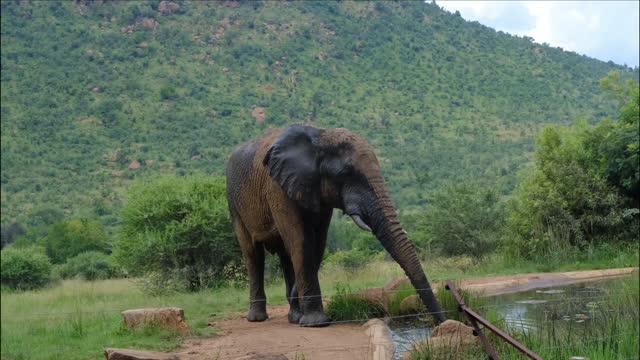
{"x":606,"y":30}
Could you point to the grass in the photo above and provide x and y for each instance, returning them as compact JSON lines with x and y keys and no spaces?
{"x":347,"y":306}
{"x":77,"y":319}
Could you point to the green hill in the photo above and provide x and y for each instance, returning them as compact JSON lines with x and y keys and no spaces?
{"x":95,"y":94}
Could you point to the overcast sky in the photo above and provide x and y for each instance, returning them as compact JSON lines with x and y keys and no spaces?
{"x":605,"y":30}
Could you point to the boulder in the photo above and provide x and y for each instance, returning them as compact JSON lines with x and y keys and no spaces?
{"x":168,"y":7}
{"x":448,"y":341}
{"x":396,"y":283}
{"x":412,"y":305}
{"x":169,"y":318}
{"x":374,"y":295}
{"x":258,"y":113}
{"x":129,"y":354}
{"x":148,"y":162}
{"x":134,"y":165}
{"x":148,"y":23}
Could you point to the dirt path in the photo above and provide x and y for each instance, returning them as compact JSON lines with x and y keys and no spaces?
{"x":277,"y":339}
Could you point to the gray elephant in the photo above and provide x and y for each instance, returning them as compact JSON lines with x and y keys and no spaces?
{"x":282,"y":189}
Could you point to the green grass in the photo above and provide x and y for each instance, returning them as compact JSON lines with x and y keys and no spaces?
{"x":77,"y":319}
{"x":347,"y":306}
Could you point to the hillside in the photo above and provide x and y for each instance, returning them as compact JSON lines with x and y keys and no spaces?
{"x":95,"y":94}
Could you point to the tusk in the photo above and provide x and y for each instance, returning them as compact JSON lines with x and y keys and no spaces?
{"x":358,"y":220}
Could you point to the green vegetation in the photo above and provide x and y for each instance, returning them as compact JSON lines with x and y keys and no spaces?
{"x":345,"y":305}
{"x":89,"y":89}
{"x":90,"y":265}
{"x":462,"y":219}
{"x":178,"y":229}
{"x":115,"y":117}
{"x":25,"y":269}
{"x":582,"y":189}
{"x":72,"y":237}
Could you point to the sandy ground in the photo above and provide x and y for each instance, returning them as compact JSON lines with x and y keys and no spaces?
{"x":276,"y":338}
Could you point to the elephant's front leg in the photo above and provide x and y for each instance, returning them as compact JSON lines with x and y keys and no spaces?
{"x":306,"y":259}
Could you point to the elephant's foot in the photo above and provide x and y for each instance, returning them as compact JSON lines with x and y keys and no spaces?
{"x":294,"y":315}
{"x":257,"y":315}
{"x":314,"y":319}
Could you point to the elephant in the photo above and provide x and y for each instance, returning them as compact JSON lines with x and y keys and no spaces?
{"x":282,"y":189}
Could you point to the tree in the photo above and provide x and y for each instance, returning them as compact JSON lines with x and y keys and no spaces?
{"x":463,"y":219}
{"x":69,"y":238}
{"x":177,"y":228}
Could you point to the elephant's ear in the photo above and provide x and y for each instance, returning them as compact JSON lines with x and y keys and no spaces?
{"x":292,"y":161}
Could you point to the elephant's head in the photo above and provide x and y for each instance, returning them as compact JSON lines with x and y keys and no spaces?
{"x":321,"y":168}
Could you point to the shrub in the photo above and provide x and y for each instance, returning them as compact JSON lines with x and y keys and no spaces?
{"x":350,"y":260}
{"x":347,"y":306}
{"x":69,"y":238}
{"x":179,"y":230}
{"x":463,"y":220}
{"x":25,"y":268}
{"x":90,"y":265}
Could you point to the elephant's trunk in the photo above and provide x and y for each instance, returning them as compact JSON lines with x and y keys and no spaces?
{"x":384,"y":223}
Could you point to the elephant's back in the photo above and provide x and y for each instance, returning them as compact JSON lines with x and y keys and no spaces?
{"x":245,"y":172}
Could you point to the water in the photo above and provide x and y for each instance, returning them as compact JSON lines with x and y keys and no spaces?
{"x":520,"y":311}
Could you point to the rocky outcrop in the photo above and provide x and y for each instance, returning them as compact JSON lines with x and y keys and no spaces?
{"x":168,"y":7}
{"x":258,"y":113}
{"x":129,"y":354}
{"x":134,"y":165}
{"x":169,"y":318}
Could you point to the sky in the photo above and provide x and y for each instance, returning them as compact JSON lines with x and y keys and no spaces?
{"x":605,"y":30}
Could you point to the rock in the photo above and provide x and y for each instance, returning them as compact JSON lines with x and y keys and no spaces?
{"x":375,"y":295}
{"x":396,"y":283}
{"x":195,"y":157}
{"x":134,"y":165}
{"x":258,"y":114}
{"x":148,"y":23}
{"x":448,"y":341}
{"x":129,"y":354}
{"x":411,"y":305}
{"x":142,"y":45}
{"x":168,"y":7}
{"x":170,"y":318}
{"x":452,"y":328}
{"x":148,"y":162}
{"x":263,"y":356}
{"x":226,"y":69}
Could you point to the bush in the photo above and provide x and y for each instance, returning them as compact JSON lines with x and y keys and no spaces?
{"x":69,"y":238}
{"x":90,"y":265}
{"x":347,"y":306}
{"x":350,"y":260}
{"x":178,"y":230}
{"x":25,"y":268}
{"x":463,"y":220}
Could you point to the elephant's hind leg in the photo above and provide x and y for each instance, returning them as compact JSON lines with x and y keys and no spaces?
{"x":254,"y":260}
{"x":290,"y":281}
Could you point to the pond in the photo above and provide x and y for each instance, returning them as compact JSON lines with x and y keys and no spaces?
{"x":576,"y":304}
